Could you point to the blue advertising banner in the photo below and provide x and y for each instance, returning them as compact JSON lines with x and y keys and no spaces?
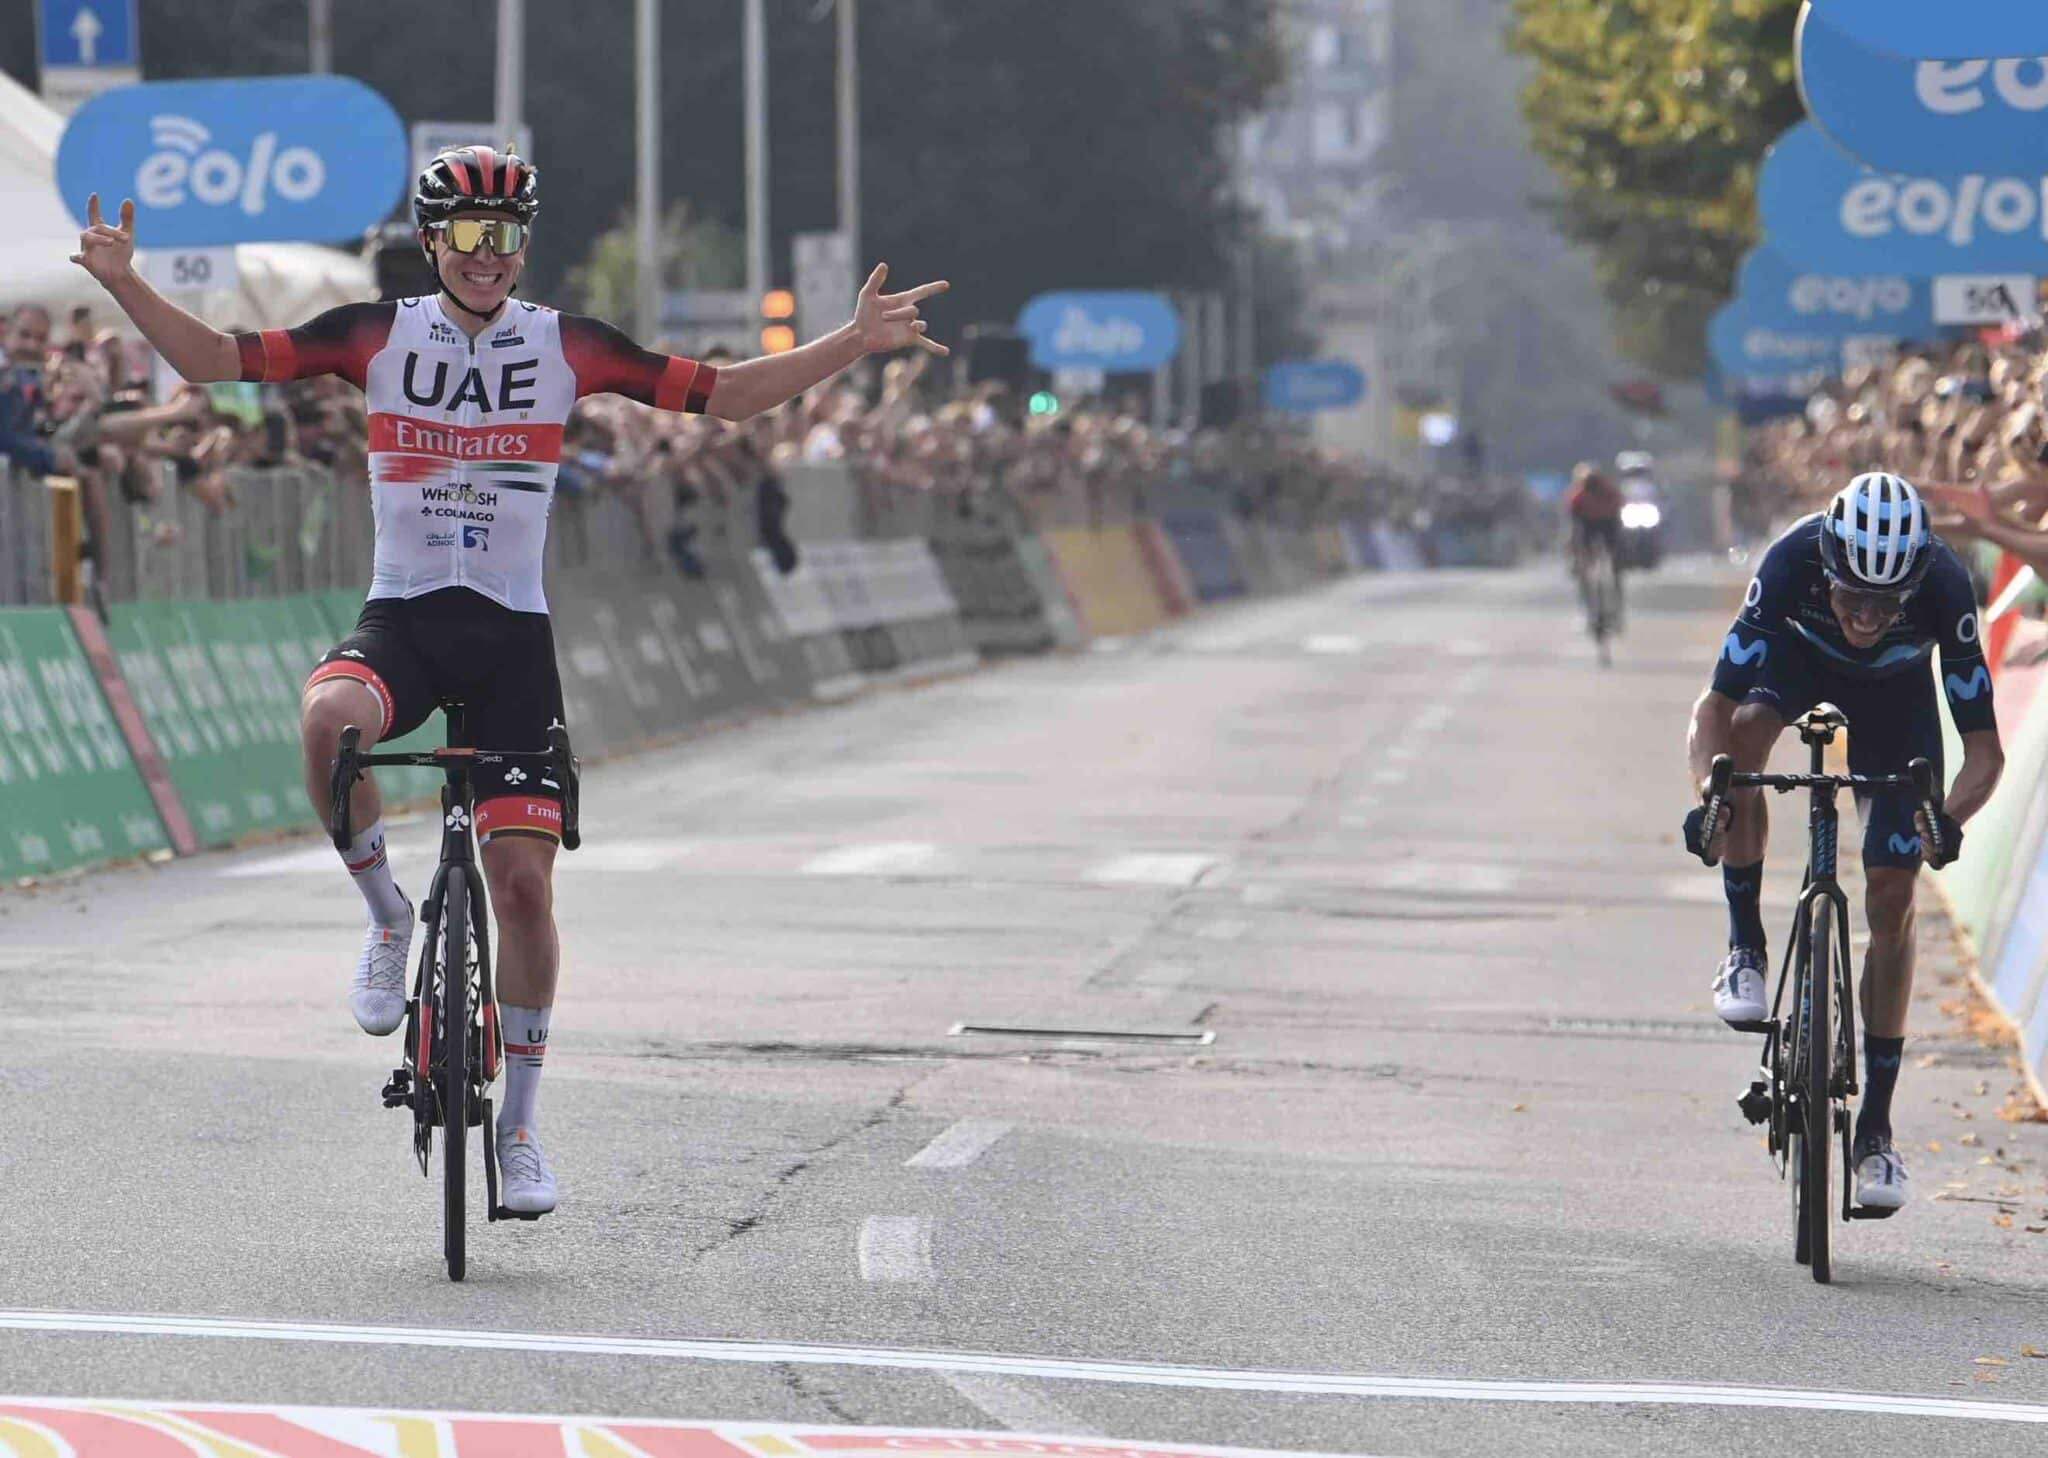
{"x":1837,"y":303}
{"x":1117,"y":331}
{"x":1303,"y":387}
{"x":1743,"y":342}
{"x":1953,"y":30}
{"x":1824,"y":212}
{"x":1924,"y":117}
{"x":314,"y":159}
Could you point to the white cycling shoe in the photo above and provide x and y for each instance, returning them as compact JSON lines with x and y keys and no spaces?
{"x":377,"y":996}
{"x":1739,"y":990}
{"x":1881,"y":1178}
{"x":526,"y":1185}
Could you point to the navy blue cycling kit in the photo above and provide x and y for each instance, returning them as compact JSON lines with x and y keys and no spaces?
{"x":1787,"y":651}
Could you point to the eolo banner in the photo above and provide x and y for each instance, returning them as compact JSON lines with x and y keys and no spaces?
{"x":1920,"y":114}
{"x":1943,"y":30}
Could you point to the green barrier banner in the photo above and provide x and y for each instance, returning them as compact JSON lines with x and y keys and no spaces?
{"x":218,"y":684}
{"x":69,"y":791}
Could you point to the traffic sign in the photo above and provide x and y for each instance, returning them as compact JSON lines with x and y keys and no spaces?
{"x":1118,"y":331}
{"x":1305,"y":387}
{"x":86,"y":47}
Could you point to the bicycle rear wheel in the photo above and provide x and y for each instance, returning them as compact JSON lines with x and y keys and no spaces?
{"x":1814,"y":1132}
{"x":451,"y":1072}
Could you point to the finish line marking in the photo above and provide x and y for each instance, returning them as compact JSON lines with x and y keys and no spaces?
{"x":1137,"y":1374}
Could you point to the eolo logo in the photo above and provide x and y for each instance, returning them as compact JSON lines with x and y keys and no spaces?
{"x":218,"y":178}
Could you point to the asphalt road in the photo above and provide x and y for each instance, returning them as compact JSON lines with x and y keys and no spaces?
{"x":1460,"y":1171}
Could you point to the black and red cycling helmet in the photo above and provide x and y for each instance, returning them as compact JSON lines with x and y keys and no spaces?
{"x":476,"y":179}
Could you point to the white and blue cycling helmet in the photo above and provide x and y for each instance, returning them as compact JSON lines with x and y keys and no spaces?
{"x":1874,"y":536}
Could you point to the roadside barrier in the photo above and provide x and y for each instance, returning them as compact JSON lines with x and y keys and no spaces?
{"x":68,"y":779}
{"x":1106,"y":572}
{"x":172,"y":723}
{"x":1199,"y":540}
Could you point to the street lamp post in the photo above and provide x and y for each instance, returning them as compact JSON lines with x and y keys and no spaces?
{"x":756,"y":67}
{"x":647,"y":193}
{"x":849,"y":130}
{"x":510,"y":97}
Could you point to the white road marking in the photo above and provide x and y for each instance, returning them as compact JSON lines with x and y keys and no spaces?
{"x":1017,"y":1408}
{"x":1139,"y":1374}
{"x":883,"y":858}
{"x":1401,"y":751}
{"x":1226,"y":929}
{"x":1163,"y":976}
{"x":1150,"y":869}
{"x":1108,"y":645}
{"x":1333,"y":643}
{"x":1432,"y":719}
{"x":1260,"y":895}
{"x":896,"y":1248}
{"x":960,"y":1145}
{"x":1389,"y":776}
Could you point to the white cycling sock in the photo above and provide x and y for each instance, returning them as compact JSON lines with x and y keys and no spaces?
{"x":526,"y":1043}
{"x":370,"y":867}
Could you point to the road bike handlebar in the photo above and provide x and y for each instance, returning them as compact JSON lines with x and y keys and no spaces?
{"x":350,"y":763}
{"x":1722,"y":777}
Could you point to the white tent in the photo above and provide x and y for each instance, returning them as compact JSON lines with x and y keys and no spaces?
{"x":281,"y":283}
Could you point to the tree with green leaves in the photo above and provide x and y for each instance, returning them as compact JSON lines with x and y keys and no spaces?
{"x":1654,"y":115}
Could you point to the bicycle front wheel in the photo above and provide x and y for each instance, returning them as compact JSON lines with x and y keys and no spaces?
{"x":1815,"y":1126}
{"x":451,"y":1071}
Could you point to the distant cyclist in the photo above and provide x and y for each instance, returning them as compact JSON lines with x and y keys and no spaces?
{"x":1593,"y":504}
{"x":1847,"y":608}
{"x":468,"y":391}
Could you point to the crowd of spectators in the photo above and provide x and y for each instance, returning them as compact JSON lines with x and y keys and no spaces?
{"x":76,"y":400}
{"x":1965,"y":422}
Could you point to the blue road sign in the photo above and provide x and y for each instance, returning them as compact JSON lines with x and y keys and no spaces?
{"x":1116,"y":331}
{"x":88,"y":32}
{"x":1303,"y":386}
{"x":1928,"y":118}
{"x":313,"y":159}
{"x":1953,"y":30}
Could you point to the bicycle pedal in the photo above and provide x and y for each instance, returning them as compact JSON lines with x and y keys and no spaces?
{"x":1755,"y":1104}
{"x":499,"y":1212}
{"x":398,"y":1092}
{"x":1873,"y":1212}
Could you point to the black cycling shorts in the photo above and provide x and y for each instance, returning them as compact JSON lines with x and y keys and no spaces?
{"x":415,"y":652}
{"x":1892,"y":721}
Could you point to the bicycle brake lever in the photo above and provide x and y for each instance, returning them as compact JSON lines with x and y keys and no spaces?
{"x":1717,"y":794}
{"x":1922,"y":771}
{"x":343,"y":780}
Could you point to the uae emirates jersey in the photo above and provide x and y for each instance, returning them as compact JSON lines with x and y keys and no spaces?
{"x":466,"y":434}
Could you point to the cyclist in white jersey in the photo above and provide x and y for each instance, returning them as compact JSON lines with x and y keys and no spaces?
{"x":468,"y":392}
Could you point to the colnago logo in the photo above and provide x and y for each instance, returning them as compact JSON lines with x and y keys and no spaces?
{"x":1879,"y":206}
{"x":183,"y":165}
{"x":1854,"y":298}
{"x":1769,"y":344}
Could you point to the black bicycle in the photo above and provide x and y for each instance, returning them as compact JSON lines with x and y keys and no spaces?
{"x":445,"y":1080}
{"x":1802,"y":1090}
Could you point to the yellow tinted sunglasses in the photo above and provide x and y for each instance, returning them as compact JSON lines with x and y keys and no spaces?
{"x":466,"y":235}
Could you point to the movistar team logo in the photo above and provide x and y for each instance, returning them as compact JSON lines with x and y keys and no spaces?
{"x":1968,"y":688}
{"x":1903,"y":845}
{"x":1741,"y":654}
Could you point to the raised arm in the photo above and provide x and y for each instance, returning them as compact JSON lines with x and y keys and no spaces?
{"x":194,"y":348}
{"x":881,"y":323}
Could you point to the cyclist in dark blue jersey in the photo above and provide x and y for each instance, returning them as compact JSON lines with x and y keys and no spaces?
{"x":1849,"y":607}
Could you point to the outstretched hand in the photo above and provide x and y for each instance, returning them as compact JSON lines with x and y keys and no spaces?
{"x":885,"y":322}
{"x":105,"y":251}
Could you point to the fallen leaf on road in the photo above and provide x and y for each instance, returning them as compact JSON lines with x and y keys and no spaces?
{"x":1927,"y":1060}
{"x":2032,"y":1352}
{"x":1972,"y":1139}
{"x":1993,"y":1362}
{"x":1519,"y":1109}
{"x":2003,"y":1222}
{"x":1934,"y":1146}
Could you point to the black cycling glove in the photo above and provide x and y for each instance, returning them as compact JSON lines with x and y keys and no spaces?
{"x":1951,"y":843}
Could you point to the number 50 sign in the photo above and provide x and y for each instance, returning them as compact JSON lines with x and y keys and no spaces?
{"x":192,"y":270}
